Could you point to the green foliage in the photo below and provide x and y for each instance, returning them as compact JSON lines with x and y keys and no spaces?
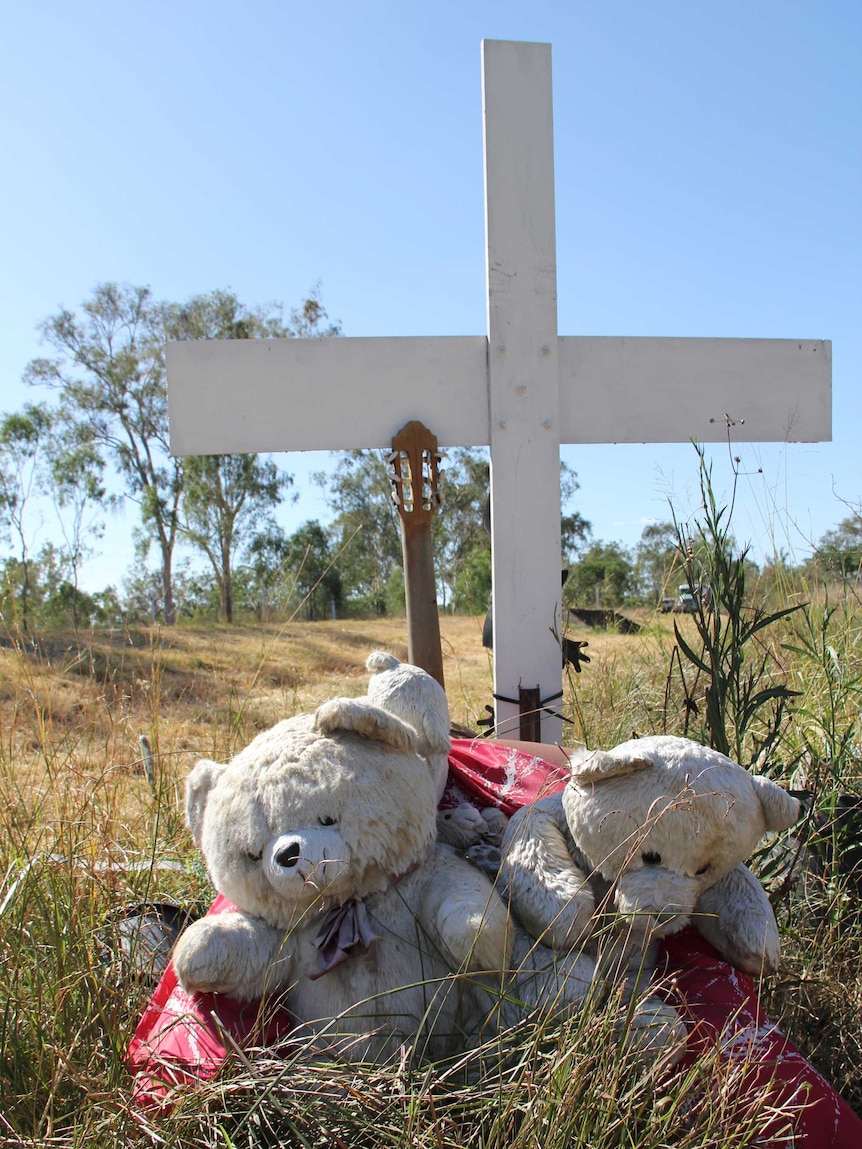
{"x":839,"y":551}
{"x":109,"y":374}
{"x":829,"y":654}
{"x":575,"y":530}
{"x":316,"y":580}
{"x":471,"y":591}
{"x":23,"y":438}
{"x":365,"y":533}
{"x":603,"y":576}
{"x":226,"y":500}
{"x":76,"y":484}
{"x":657,"y":563}
{"x":395,"y":594}
{"x":461,"y":544}
{"x":51,"y":601}
{"x":745,"y":695}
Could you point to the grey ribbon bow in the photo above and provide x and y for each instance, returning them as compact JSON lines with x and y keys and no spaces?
{"x":342,"y":928}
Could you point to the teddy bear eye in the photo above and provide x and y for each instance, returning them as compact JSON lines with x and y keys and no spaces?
{"x":254,"y":857}
{"x":650,"y":858}
{"x":327,"y":821}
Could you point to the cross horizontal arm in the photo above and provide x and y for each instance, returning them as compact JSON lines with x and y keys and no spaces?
{"x":618,"y":390}
{"x":334,"y":394}
{"x":234,"y":396}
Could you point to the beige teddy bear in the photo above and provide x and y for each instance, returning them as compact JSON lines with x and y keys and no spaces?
{"x":643,"y":840}
{"x":372,"y":933}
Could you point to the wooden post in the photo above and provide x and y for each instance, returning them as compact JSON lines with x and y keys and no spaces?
{"x":530,"y":705}
{"x":415,"y":489}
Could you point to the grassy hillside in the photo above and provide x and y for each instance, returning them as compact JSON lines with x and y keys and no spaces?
{"x":81,"y":820}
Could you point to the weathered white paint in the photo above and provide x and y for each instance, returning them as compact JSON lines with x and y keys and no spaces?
{"x":671,"y":390}
{"x":324,"y":394}
{"x":295,"y":398}
{"x":523,"y":375}
{"x":522,"y":390}
{"x":307,"y":395}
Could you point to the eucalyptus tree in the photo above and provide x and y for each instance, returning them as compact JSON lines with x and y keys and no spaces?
{"x":225,"y":501}
{"x":23,"y":439}
{"x":839,"y":551}
{"x":229,"y":499}
{"x":658,"y":560}
{"x":109,"y":370}
{"x":317,"y":584}
{"x":603,"y":576}
{"x":365,"y":533}
{"x":43,"y":460}
{"x":75,"y":483}
{"x":109,"y":373}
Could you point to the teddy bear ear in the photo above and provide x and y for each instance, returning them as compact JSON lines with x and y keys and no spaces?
{"x":358,"y":716}
{"x":601,"y":766}
{"x":198,"y":786}
{"x":380,"y":660}
{"x":780,"y":809}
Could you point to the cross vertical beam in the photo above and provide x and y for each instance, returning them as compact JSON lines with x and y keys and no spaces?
{"x":523,"y":375}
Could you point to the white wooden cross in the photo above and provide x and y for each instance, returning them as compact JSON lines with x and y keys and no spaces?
{"x":521,"y":390}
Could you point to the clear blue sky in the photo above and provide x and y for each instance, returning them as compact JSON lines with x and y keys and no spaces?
{"x":708,"y":176}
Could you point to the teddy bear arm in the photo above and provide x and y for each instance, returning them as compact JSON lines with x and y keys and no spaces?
{"x":654,"y":1032}
{"x":233,"y":953}
{"x":466,"y":916}
{"x":735,"y":916}
{"x":549,"y":892}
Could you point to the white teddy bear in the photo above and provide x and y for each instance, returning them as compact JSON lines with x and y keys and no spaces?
{"x":322,"y":832}
{"x":416,"y":698}
{"x":642,"y":840}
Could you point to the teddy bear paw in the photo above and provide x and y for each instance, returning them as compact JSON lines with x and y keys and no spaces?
{"x":486,"y":858}
{"x":197,"y":972}
{"x":495,"y":824}
{"x":655,"y":1031}
{"x":225,"y":953}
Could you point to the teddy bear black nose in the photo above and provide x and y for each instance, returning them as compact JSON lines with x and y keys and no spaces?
{"x":289,"y":856}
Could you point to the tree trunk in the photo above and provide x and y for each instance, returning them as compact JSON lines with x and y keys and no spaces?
{"x":226,"y":584}
{"x":25,"y":595}
{"x":168,"y":588}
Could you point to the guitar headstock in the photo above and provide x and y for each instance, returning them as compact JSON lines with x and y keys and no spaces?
{"x":415,"y":475}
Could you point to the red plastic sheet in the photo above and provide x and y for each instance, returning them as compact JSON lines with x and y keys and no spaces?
{"x":182,"y":1039}
{"x":764,"y":1073}
{"x":489,"y":774}
{"x":185,"y":1038}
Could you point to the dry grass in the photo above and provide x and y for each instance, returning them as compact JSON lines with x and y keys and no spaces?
{"x":71,"y":713}
{"x":74,"y":795}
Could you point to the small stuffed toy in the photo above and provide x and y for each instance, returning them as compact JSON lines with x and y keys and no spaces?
{"x":643,"y":840}
{"x":322,"y":833}
{"x":418,"y":699}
